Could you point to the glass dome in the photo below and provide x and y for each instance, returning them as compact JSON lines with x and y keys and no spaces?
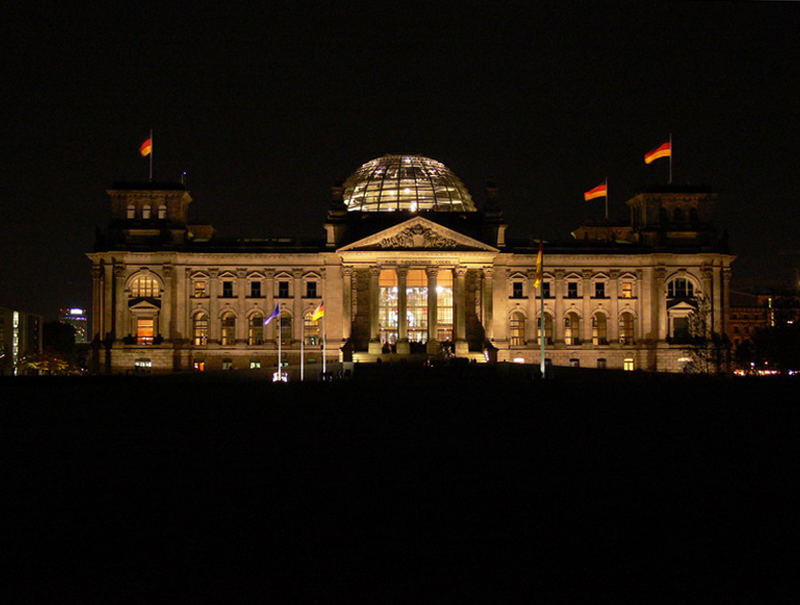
{"x":406,"y":182}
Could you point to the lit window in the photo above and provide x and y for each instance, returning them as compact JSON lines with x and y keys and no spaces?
{"x":144,"y":331}
{"x":131,"y":211}
{"x":145,"y":212}
{"x":627,"y":364}
{"x":255,"y":365}
{"x":227,"y":364}
{"x":162,"y":212}
{"x":200,"y":330}
{"x":572,"y":329}
{"x":627,"y":290}
{"x":200,"y":286}
{"x":142,"y":364}
{"x":311,"y":329}
{"x":599,"y":329}
{"x":516,"y":329}
{"x":255,"y":334}
{"x":387,"y":306}
{"x":626,"y":329}
{"x":199,"y":366}
{"x":228,"y":335}
{"x":145,"y":285}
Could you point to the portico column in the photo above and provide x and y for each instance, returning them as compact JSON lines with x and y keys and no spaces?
{"x":213,"y":306}
{"x":586,"y":310}
{"x":269,"y":336}
{"x":297,"y":305}
{"x":403,"y":347}
{"x":120,"y":314}
{"x":166,"y":320}
{"x":488,"y":321}
{"x":459,"y":298}
{"x":612,"y":325}
{"x":433,"y":343}
{"x":374,"y":335}
{"x":241,"y":305}
{"x":711,"y":295}
{"x":347,"y":312}
{"x":97,"y":302}
{"x":659,"y":302}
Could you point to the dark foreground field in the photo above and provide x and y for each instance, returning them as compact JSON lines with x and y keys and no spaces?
{"x":447,"y":487}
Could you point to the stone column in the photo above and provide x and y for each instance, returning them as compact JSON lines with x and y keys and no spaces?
{"x":433,"y":317}
{"x":97,"y":302}
{"x":270,"y":331}
{"x":166,"y":319}
{"x":374,"y":335}
{"x":297,"y":305}
{"x":121,"y":317}
{"x":347,"y":304}
{"x":558,"y":320}
{"x":612,"y":326}
{"x":711,"y":283}
{"x":213,"y":306}
{"x":241,"y":305}
{"x":586,"y":307}
{"x":487,"y":294}
{"x":658,"y":301}
{"x":460,"y":301}
{"x":531,"y":324}
{"x":402,"y":317}
{"x":724,"y":309}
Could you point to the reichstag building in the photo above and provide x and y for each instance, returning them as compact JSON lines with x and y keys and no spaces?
{"x":408,"y":266}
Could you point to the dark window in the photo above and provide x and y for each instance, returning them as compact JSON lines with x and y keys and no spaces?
{"x":572,"y":289}
{"x":574,"y":363}
{"x":546,"y":289}
{"x":255,"y":289}
{"x":517,"y":289}
{"x":680,"y":328}
{"x":227,"y":289}
{"x":283,"y":289}
{"x":601,"y":363}
{"x":680,"y":288}
{"x":311,"y":289}
{"x":599,"y":290}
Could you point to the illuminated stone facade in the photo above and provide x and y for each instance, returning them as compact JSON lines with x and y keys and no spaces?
{"x":410,"y":268}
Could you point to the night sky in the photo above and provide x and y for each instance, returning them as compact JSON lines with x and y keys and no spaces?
{"x":267,"y":108}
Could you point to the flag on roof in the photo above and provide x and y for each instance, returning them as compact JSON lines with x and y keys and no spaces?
{"x":146,"y":148}
{"x":599,"y":191}
{"x":662,"y":151}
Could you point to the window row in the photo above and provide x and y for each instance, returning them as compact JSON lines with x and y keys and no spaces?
{"x":147,"y":212}
{"x":572,"y":329}
{"x":519,"y":289}
{"x":255,"y":289}
{"x":255,"y":329}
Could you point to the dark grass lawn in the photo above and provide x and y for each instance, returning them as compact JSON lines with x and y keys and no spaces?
{"x":401,"y":486}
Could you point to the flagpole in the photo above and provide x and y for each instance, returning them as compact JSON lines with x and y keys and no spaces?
{"x":151,"y":155}
{"x":302,"y":348}
{"x":542,"y":336}
{"x":324,"y":339}
{"x":606,"y":199}
{"x":280,"y":365}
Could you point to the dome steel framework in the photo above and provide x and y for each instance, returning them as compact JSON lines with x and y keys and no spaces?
{"x":406,"y":182}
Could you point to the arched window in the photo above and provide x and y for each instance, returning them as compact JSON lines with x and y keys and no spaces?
{"x":145,"y":286}
{"x":599,"y":329}
{"x":228,"y":332}
{"x":200,"y":329}
{"x":516,"y":329}
{"x":145,"y":212}
{"x":162,"y":212}
{"x":677,"y":215}
{"x":255,"y":331}
{"x":572,"y":329}
{"x":311,"y":329}
{"x":286,"y":329}
{"x":548,"y":329}
{"x":680,"y":287}
{"x":131,"y":212}
{"x":626,"y":328}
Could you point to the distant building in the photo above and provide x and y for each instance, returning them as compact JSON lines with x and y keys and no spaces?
{"x":20,"y":336}
{"x":408,"y":265}
{"x":77,"y":318}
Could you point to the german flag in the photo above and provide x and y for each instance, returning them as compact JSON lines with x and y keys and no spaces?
{"x":319,"y":313}
{"x":599,"y":191}
{"x":662,"y":151}
{"x":146,"y":148}
{"x":538,"y":279}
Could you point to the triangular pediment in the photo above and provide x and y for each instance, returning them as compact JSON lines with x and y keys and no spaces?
{"x":418,"y":233}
